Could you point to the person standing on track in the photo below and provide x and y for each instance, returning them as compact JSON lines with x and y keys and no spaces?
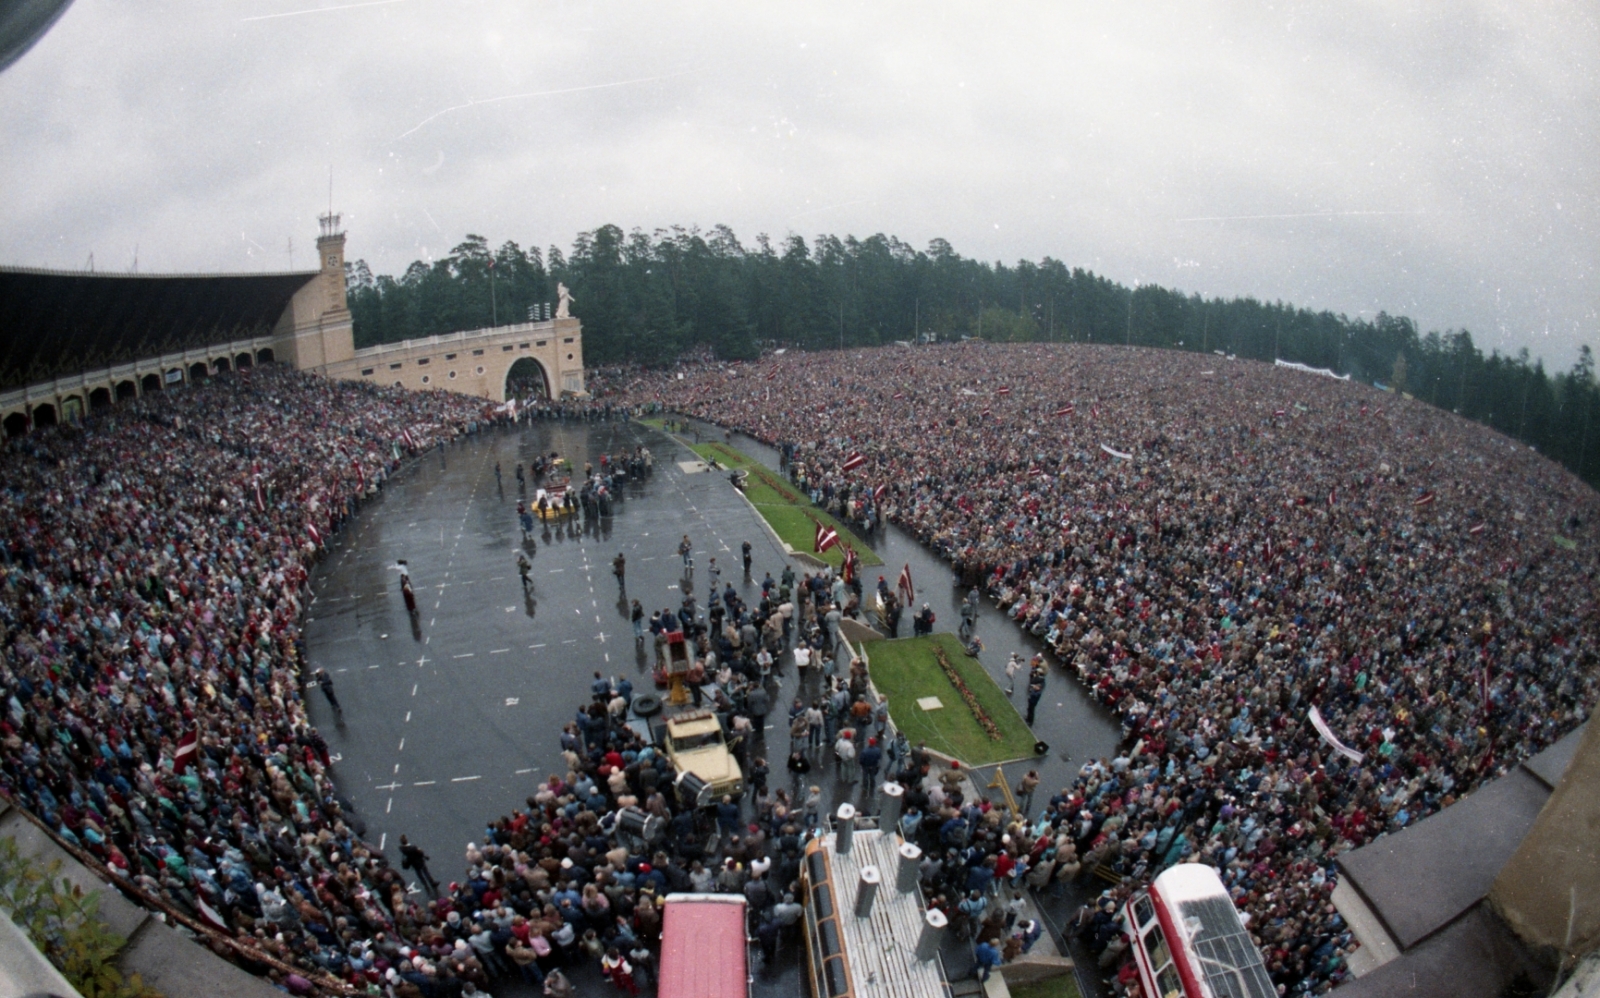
{"x":1036,"y":679}
{"x":686,"y":550}
{"x":1013,"y":666}
{"x":326,"y":682}
{"x":414,"y":859}
{"x":619,"y":567}
{"x":523,"y":567}
{"x":745,"y":550}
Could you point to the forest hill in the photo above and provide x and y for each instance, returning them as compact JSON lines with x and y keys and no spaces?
{"x":651,"y":297}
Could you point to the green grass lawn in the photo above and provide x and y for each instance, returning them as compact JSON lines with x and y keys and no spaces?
{"x":905,"y":669}
{"x":1065,"y":986}
{"x":783,"y":506}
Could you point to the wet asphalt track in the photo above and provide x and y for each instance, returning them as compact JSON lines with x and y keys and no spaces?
{"x":451,"y":721}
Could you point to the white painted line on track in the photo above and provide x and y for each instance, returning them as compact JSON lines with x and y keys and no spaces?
{"x":467,"y":655}
{"x":464,"y":779}
{"x":402,"y":747}
{"x":523,"y":772}
{"x":414,"y":689}
{"x":425,"y":783}
{"x":408,"y":717}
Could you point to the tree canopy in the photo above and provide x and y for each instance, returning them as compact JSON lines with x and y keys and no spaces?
{"x":651,"y":297}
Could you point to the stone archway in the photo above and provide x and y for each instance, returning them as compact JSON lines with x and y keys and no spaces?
{"x":198,"y":373}
{"x":221,"y":365}
{"x":44,"y":415}
{"x":100,"y":398}
{"x":243,"y":362}
{"x":150,"y":383}
{"x":16,"y":424}
{"x":264,"y":356}
{"x":127,"y":390}
{"x":526,"y":376}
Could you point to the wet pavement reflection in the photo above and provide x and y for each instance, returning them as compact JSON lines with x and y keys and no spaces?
{"x":452,"y":715}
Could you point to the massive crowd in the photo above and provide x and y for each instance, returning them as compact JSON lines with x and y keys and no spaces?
{"x":1260,"y":542}
{"x":153,"y":568}
{"x":154,"y":564}
{"x":1215,"y":548}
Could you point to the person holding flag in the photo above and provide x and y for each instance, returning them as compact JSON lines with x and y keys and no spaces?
{"x":826,"y":537}
{"x":904,"y":586}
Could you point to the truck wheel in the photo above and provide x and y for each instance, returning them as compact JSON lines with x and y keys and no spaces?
{"x":646,"y":705}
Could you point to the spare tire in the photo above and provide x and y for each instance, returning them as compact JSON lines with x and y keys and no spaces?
{"x":646,"y":705}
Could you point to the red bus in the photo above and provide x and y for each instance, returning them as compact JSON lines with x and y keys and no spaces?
{"x":1188,"y":940}
{"x":704,"y":949}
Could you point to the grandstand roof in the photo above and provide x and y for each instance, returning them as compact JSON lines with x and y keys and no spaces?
{"x":54,"y":323}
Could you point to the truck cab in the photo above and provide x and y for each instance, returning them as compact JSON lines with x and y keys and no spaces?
{"x":696,"y":745}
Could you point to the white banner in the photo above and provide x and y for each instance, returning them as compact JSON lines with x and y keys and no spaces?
{"x":1116,"y":453}
{"x":1312,"y":370}
{"x":1328,"y":736}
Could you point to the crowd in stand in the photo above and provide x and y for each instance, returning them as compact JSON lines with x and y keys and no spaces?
{"x":153,"y":568}
{"x":1214,"y":548}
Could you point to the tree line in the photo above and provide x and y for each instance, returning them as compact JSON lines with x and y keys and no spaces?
{"x":651,"y":297}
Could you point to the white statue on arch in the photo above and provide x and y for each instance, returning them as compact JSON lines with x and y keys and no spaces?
{"x":563,"y":299}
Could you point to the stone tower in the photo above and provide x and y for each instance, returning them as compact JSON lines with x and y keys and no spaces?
{"x":316,"y":330}
{"x":330,"y":251}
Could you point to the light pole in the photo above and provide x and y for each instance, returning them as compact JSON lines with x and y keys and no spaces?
{"x":494,"y":307}
{"x":1130,"y":313}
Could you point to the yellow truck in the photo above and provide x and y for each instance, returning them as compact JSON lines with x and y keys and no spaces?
{"x":698,"y":750}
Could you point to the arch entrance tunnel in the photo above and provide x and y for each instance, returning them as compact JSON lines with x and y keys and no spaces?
{"x":527,"y":377}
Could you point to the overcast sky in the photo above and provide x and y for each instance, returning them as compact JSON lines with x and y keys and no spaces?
{"x":1433,"y":160}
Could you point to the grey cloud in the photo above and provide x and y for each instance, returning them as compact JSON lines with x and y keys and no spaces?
{"x":1082,"y":131}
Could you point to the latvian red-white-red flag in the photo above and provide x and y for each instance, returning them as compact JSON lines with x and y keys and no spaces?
{"x":1332,"y":739}
{"x":1066,"y":410}
{"x":1423,"y":500}
{"x":313,"y":533}
{"x":410,"y":441}
{"x":851,"y":564}
{"x":261,"y":502}
{"x":905,"y":586}
{"x":1333,"y":496}
{"x":1476,"y":528}
{"x":209,"y":914}
{"x":854,"y":461}
{"x":1035,"y":472}
{"x":188,"y":748}
{"x":361,"y":473}
{"x":879,"y":492}
{"x":826,"y":537}
{"x":899,"y":395}
{"x":1003,"y":390}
